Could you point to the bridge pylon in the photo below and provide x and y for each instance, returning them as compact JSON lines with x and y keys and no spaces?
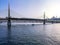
{"x":9,"y":21}
{"x":44,"y":19}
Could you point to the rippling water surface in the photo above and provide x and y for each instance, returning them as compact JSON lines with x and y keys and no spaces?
{"x":37,"y":34}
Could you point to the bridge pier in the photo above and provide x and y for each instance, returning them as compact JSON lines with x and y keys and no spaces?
{"x":9,"y":22}
{"x":44,"y":22}
{"x":52,"y":22}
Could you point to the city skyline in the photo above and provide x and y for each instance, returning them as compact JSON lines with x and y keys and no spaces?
{"x":30,"y":8}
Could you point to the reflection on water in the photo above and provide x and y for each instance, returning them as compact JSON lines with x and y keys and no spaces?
{"x":8,"y":34}
{"x":37,"y":34}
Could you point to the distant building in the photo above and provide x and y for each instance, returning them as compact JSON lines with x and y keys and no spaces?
{"x":55,"y":18}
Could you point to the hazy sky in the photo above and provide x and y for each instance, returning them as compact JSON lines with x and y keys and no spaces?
{"x":31,"y":8}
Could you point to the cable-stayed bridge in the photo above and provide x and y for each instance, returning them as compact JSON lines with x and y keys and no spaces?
{"x":9,"y":19}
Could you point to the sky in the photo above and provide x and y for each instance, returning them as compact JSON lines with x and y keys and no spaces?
{"x":30,"y":8}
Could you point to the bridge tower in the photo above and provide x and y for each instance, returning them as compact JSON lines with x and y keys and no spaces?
{"x":44,"y":18}
{"x":9,"y":21}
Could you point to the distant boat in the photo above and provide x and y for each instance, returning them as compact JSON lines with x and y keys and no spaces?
{"x":0,"y":22}
{"x":32,"y":24}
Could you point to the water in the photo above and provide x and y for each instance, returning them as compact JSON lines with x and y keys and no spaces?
{"x":37,"y":34}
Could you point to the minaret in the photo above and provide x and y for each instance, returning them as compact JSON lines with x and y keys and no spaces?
{"x":9,"y":21}
{"x":44,"y":18}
